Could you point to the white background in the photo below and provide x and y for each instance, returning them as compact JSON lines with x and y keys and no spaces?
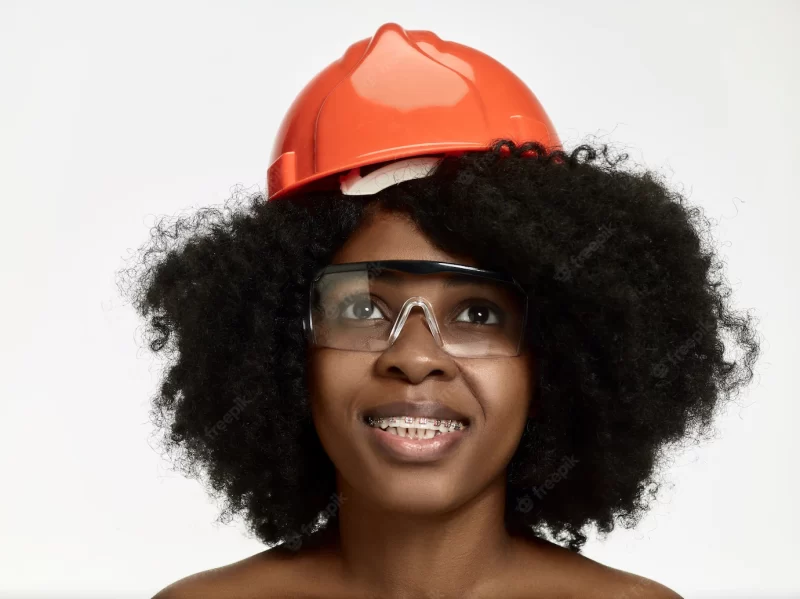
{"x":114,"y":113}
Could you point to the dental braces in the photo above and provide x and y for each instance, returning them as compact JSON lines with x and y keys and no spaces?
{"x":408,"y":420}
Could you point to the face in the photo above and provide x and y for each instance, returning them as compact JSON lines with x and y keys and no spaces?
{"x":493,"y":393}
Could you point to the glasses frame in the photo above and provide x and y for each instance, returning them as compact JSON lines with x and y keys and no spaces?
{"x":413,"y":267}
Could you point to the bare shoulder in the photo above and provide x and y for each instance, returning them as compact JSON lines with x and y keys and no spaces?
{"x":265,"y":574}
{"x":571,"y":574}
{"x":617,"y":584}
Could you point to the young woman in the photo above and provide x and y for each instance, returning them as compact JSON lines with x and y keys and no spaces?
{"x":441,"y":347}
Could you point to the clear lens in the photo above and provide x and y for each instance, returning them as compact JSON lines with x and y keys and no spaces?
{"x":469,"y":316}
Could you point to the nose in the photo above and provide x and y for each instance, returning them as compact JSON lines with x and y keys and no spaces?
{"x":415,"y":355}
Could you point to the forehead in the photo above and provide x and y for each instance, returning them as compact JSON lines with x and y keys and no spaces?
{"x":392,"y":236}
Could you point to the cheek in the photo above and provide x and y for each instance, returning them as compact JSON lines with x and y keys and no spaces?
{"x":334,"y":380}
{"x":504,"y":389}
{"x":500,"y":391}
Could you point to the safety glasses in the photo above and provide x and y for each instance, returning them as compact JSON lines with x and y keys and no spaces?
{"x":364,"y":306}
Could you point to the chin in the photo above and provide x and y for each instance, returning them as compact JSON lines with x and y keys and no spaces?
{"x":418,"y":497}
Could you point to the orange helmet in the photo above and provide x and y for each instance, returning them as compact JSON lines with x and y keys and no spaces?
{"x":401,"y":94}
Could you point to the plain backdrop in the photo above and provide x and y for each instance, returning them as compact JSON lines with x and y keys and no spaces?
{"x":113,"y":114}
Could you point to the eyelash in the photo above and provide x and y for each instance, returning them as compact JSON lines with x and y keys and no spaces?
{"x":347,"y":299}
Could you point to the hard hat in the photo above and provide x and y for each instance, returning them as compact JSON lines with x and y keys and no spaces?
{"x":399,"y":95}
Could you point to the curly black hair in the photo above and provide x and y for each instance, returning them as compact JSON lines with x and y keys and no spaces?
{"x":629,"y":323}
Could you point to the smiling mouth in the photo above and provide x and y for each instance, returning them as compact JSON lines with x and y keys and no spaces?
{"x":416,"y":428}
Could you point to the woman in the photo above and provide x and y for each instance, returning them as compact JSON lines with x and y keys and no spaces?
{"x":422,"y":368}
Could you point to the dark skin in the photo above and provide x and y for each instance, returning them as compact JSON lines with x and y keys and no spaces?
{"x":429,"y":531}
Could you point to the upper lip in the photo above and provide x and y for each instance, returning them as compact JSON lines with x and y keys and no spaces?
{"x":423,"y":409}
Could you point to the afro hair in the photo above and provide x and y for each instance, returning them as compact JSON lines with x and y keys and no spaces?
{"x":629,"y":321}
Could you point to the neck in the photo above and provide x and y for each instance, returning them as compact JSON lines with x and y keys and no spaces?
{"x":400,"y":554}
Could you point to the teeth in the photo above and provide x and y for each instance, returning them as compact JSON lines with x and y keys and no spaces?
{"x":415,"y":428}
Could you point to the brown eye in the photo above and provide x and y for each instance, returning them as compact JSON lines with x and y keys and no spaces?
{"x":479,"y":314}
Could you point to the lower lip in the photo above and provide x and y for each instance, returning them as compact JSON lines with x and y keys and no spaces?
{"x":415,"y":450}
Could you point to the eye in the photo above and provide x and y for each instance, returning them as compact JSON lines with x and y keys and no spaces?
{"x":479,"y":314}
{"x":359,"y":307}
